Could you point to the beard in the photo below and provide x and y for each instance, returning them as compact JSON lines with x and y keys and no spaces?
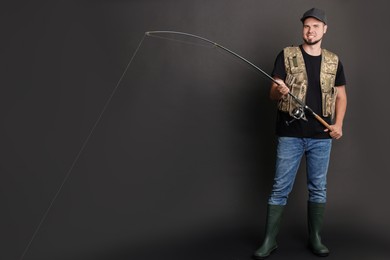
{"x":312,"y":42}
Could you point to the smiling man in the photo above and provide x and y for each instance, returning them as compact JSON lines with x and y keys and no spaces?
{"x":316,"y":76}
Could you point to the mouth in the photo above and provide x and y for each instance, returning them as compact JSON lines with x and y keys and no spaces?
{"x":310,"y":38}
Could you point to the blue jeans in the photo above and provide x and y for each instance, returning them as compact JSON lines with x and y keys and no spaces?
{"x":288,"y":157}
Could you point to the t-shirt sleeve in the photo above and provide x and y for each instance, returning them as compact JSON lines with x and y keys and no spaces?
{"x":340,"y":76}
{"x":279,"y":70}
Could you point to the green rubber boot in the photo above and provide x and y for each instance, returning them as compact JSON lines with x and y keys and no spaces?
{"x":274,"y":217}
{"x":315,"y":219}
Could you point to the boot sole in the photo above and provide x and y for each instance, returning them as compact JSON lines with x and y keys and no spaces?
{"x":318,"y":254}
{"x":264,"y":257}
{"x":321,"y":254}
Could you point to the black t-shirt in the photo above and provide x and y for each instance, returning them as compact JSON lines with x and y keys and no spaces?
{"x":301,"y":128}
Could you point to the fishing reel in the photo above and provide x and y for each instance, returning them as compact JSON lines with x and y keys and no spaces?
{"x":297,"y":114}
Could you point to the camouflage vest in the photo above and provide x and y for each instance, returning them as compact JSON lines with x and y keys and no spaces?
{"x":296,"y":80}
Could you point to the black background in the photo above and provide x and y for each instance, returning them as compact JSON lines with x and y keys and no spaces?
{"x":180,"y":163}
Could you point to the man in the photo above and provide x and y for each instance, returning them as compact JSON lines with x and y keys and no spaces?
{"x":316,"y":77}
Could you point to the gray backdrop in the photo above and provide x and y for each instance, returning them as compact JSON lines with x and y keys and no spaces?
{"x":176,"y":161}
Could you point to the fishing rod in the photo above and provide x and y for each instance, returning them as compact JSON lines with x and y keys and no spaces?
{"x":297,"y":113}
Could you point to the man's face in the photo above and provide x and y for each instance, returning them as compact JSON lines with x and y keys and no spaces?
{"x":313,"y":30}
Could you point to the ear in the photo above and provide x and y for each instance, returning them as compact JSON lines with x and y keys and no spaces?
{"x":325,"y":28}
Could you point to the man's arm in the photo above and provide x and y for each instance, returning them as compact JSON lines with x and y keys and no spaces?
{"x":340,"y":109}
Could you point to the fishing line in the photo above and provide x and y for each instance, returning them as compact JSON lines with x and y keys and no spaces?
{"x":53,"y":200}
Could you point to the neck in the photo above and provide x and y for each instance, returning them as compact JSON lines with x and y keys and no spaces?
{"x":314,"y":50}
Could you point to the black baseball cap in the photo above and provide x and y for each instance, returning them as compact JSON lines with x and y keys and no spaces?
{"x":315,"y":13}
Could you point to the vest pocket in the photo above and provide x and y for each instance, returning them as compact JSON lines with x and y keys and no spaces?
{"x":329,"y":102}
{"x":294,"y":65}
{"x":330,"y":67}
{"x":287,"y":103}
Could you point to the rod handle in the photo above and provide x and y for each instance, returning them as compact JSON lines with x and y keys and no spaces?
{"x":322,"y":121}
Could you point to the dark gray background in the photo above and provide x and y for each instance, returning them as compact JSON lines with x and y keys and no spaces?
{"x":180,"y":164}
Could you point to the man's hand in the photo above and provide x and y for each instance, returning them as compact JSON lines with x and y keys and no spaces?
{"x":278,"y":90}
{"x":282,"y":88}
{"x":336,"y":131}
